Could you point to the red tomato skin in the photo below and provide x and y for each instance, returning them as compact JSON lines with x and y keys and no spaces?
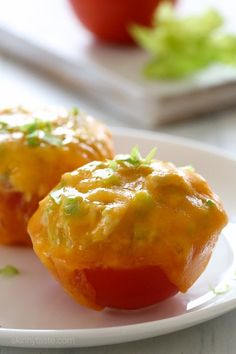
{"x":109,"y":20}
{"x":130,"y":288}
{"x":15,"y":213}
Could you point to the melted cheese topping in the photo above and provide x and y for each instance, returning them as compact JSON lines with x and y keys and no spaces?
{"x":124,"y":215}
{"x":37,"y":147}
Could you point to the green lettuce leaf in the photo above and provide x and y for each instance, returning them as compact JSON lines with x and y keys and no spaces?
{"x":182,"y":46}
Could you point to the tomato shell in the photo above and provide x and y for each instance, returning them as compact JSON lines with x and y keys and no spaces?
{"x":129,"y":288}
{"x":109,"y":20}
{"x":14,"y":215}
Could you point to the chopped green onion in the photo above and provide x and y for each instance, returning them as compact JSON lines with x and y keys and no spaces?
{"x":148,"y":159}
{"x":71,"y":206}
{"x":135,"y":159}
{"x":9,"y":271}
{"x":36,"y":125}
{"x":40,"y":131}
{"x":210,"y":202}
{"x":74,"y":111}
{"x":135,"y":156}
{"x":3,"y":126}
{"x":74,"y":206}
{"x":33,"y":139}
{"x":113,"y":165}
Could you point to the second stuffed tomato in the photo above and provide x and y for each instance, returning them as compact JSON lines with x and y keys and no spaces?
{"x":127,"y":233}
{"x":36,"y":147}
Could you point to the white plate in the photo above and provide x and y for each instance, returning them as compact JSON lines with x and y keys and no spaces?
{"x":35,"y":311}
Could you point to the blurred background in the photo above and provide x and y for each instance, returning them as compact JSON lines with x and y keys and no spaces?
{"x":79,"y":53}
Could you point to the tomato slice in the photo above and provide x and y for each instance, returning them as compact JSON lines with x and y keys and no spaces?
{"x":130,"y":288}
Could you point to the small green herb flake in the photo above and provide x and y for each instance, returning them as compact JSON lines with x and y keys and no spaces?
{"x":9,"y":271}
{"x":71,"y":206}
{"x":40,"y":131}
{"x":33,"y":139}
{"x":150,"y":156}
{"x":210,"y":202}
{"x":135,"y":159}
{"x":74,"y":111}
{"x":3,"y":126}
{"x":36,"y":125}
{"x":135,"y":156}
{"x":75,"y":206}
{"x":113,"y":165}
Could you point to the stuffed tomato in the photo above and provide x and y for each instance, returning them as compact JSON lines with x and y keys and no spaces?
{"x":36,"y":148}
{"x":127,"y":233}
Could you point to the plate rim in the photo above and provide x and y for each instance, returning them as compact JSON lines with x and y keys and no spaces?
{"x":147,"y":134}
{"x":40,"y":338}
{"x":89,"y":337}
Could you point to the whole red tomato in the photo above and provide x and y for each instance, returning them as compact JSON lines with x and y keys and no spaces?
{"x":109,"y":20}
